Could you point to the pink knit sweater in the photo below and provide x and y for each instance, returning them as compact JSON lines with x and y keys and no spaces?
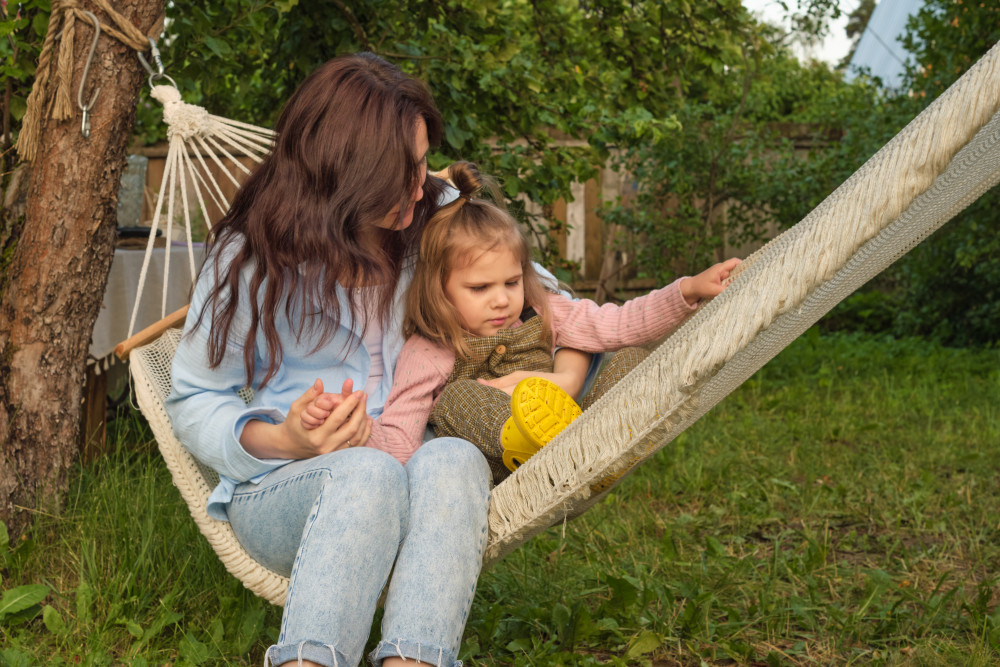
{"x":423,"y":367}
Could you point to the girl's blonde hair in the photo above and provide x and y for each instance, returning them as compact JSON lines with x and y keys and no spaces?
{"x":456,"y":235}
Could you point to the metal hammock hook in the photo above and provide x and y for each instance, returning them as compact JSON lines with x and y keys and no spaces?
{"x":85,"y":125}
{"x":158,"y":74}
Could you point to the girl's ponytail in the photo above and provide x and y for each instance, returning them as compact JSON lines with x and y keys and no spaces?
{"x":471,"y":184}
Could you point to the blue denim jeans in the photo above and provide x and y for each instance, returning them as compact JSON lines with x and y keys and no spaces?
{"x":337,"y":524}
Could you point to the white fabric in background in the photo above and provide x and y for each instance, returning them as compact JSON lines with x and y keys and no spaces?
{"x":111,"y":327}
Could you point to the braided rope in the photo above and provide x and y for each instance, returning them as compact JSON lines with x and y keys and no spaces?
{"x":58,"y":103}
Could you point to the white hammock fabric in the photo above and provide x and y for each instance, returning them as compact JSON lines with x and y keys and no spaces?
{"x":940,"y":163}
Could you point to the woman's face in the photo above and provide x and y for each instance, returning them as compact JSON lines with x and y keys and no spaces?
{"x":393,"y":220}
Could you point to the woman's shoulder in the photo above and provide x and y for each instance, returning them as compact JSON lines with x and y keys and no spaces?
{"x":223,"y":252}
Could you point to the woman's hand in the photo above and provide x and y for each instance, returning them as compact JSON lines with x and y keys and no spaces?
{"x":320,"y":407}
{"x":346,"y":425}
{"x":708,"y":283}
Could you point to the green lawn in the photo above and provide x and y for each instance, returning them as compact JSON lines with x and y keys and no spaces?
{"x":841,"y":508}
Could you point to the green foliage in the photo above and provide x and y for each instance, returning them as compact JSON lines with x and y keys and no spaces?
{"x":121,"y":576}
{"x":950,"y":284}
{"x":947,"y":289}
{"x":704,"y":185}
{"x":21,"y":37}
{"x":536,"y":92}
{"x":684,"y":95}
{"x":697,"y":187}
{"x":868,"y":310}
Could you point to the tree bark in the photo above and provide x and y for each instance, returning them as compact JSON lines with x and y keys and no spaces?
{"x":59,"y":256}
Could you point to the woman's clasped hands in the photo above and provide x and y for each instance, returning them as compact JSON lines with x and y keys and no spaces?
{"x":316,"y":423}
{"x":326,"y":422}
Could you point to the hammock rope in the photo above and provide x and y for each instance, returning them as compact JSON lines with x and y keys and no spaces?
{"x":778,"y":293}
{"x":192,"y":131}
{"x":940,"y":163}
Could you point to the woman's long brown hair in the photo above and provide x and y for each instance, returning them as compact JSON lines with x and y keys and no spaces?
{"x":343,"y":158}
{"x":458,"y":233}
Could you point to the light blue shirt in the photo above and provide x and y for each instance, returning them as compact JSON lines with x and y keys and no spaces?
{"x":207,"y":413}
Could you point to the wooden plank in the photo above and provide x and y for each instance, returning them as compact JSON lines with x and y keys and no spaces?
{"x":151,"y":333}
{"x":559,"y":213}
{"x":93,"y":417}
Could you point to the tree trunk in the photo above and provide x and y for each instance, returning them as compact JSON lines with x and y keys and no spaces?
{"x":59,"y":257}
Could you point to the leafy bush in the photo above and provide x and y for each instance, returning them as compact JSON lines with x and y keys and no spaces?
{"x":947,"y":289}
{"x":868,"y":310}
{"x":22,"y":30}
{"x":950,"y":284}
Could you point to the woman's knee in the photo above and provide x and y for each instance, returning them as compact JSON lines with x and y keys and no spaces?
{"x":368,"y":471}
{"x":449,"y":457}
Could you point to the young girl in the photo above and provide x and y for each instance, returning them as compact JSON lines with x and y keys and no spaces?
{"x":477,"y":310}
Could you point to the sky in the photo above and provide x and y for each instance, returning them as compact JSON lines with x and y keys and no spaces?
{"x":833,"y":48}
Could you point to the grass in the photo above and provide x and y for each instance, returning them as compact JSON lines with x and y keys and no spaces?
{"x":841,"y":508}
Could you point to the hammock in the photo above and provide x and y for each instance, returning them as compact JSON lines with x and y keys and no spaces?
{"x":936,"y":166}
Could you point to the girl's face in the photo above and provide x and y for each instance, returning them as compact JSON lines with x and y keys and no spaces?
{"x":487,"y":292}
{"x":392,"y":220}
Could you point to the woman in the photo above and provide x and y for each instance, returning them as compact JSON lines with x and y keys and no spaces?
{"x":301,"y":288}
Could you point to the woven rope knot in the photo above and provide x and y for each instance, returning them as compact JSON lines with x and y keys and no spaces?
{"x":182,"y":119}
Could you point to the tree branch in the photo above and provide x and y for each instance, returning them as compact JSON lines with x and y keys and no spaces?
{"x":359,"y":30}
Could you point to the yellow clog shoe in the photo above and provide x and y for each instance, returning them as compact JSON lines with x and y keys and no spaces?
{"x":540,"y":410}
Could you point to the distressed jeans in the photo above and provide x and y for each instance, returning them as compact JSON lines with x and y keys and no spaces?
{"x":339,"y":523}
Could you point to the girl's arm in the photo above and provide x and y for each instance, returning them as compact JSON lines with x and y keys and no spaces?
{"x":586,"y":326}
{"x":569,"y":371}
{"x":422,"y":369}
{"x":570,"y":368}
